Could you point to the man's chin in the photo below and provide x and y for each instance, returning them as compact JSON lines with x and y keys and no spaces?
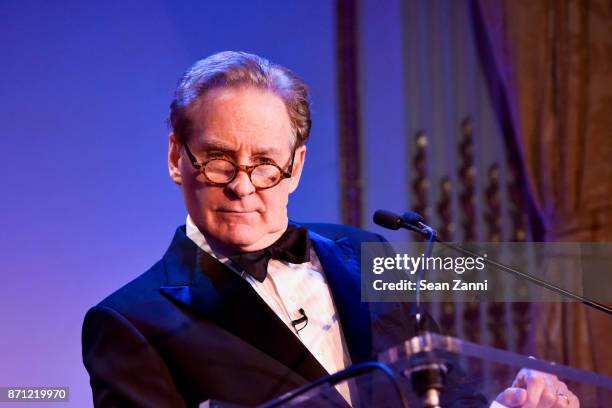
{"x":244,"y":238}
{"x":239,"y":238}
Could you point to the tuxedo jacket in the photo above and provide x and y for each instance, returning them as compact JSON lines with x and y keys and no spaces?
{"x":190,"y":329}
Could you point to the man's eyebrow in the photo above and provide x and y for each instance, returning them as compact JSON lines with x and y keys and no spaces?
{"x":269,"y":151}
{"x":210,"y":145}
{"x":216,"y":145}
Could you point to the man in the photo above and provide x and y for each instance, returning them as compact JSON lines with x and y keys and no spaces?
{"x":244,"y":306}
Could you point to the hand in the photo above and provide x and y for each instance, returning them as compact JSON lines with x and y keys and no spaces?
{"x":534,"y":389}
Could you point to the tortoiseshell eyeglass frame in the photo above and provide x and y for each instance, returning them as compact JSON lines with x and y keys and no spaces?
{"x":248,"y":169}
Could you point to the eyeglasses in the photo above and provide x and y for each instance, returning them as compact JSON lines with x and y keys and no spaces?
{"x":220,"y":171}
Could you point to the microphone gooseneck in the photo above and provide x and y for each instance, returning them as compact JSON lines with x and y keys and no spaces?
{"x":427,"y":377}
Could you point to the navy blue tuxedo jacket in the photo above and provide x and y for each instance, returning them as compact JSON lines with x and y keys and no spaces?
{"x":189,"y":329}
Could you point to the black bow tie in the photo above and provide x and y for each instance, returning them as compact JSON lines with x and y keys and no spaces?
{"x":293,"y":246}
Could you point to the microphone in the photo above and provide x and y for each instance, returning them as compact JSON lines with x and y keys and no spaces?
{"x":387,"y":219}
{"x":416,"y":220}
{"x":297,"y":322}
{"x":410,"y":220}
{"x":410,"y":217}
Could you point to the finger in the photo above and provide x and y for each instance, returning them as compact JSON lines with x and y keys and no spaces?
{"x":512,"y":397}
{"x":548,"y":398}
{"x":521,"y":376}
{"x":574,"y":401}
{"x":567,"y":400}
{"x":535,"y":385}
{"x":562,"y":388}
{"x":563,"y":399}
{"x":519,"y":380}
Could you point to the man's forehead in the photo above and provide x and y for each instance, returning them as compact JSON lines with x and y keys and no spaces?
{"x":242,"y":119}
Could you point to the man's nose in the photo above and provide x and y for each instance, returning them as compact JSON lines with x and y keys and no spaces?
{"x":241,"y":185}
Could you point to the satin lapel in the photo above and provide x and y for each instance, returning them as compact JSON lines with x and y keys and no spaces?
{"x":342,"y":269}
{"x":180,"y":262}
{"x":211,"y":289}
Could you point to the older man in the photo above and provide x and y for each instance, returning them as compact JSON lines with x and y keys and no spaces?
{"x":245,"y":305}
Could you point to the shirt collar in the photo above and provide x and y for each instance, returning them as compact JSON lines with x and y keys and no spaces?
{"x":194,"y":234}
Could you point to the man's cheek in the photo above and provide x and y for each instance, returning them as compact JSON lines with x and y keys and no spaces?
{"x":275,"y":217}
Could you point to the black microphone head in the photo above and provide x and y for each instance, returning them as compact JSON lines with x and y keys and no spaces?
{"x":387,"y":219}
{"x":412,"y":218}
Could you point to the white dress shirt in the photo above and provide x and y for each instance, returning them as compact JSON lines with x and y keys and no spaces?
{"x":287,"y":289}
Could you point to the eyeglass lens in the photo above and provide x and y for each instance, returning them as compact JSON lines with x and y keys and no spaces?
{"x":222,"y":171}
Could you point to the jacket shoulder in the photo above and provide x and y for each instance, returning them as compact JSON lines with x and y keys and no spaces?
{"x":140,"y":289}
{"x":145,"y":287}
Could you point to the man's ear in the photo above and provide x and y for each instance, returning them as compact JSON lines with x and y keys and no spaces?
{"x":298,"y":166}
{"x":174,"y":155}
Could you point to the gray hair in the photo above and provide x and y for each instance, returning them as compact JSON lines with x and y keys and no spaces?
{"x":236,"y":69}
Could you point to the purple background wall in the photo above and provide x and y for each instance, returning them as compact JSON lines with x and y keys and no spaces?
{"x":86,"y":201}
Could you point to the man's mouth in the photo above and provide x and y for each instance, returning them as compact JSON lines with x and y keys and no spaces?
{"x":230,"y":211}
